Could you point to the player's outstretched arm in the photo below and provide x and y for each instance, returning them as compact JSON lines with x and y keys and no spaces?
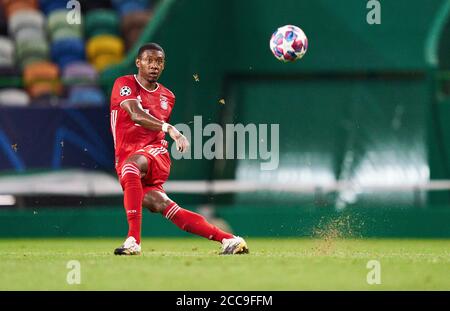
{"x":139,"y":116}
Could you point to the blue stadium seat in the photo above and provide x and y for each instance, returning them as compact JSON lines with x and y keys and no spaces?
{"x":66,"y":51}
{"x":48,"y":6}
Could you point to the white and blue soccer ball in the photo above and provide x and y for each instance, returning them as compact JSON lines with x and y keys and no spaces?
{"x":289,"y":43}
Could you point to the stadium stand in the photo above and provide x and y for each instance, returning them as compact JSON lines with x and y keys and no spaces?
{"x":34,"y":31}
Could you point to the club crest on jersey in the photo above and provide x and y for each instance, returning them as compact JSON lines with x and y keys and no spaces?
{"x":164,"y":102}
{"x":125,"y":91}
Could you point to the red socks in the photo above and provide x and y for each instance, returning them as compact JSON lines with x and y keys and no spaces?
{"x":184,"y":219}
{"x":194,"y":223}
{"x":133,"y":196}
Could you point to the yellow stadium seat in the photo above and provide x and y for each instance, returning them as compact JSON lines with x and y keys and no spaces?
{"x":104,"y":44}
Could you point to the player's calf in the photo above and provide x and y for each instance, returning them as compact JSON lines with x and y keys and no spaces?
{"x":156,"y":201}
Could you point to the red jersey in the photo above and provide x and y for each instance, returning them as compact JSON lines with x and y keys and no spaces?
{"x":128,"y":136}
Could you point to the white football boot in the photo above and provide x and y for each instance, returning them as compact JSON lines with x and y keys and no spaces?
{"x":233,"y":246}
{"x":129,"y":247}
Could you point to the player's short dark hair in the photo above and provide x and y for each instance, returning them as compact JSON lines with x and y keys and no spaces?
{"x":149,"y":46}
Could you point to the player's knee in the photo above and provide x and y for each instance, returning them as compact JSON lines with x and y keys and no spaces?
{"x":140,"y":162}
{"x":156,"y":202}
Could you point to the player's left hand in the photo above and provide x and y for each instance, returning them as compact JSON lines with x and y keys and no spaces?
{"x":180,"y":139}
{"x":182,"y":143}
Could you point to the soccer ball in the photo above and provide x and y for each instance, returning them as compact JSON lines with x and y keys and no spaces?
{"x":288,"y":43}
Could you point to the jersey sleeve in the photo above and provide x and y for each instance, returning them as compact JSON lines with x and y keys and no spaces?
{"x":123,"y":90}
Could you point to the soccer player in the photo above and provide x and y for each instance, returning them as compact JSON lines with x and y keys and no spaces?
{"x":140,"y":110}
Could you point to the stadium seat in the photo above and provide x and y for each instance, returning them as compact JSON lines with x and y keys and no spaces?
{"x":28,"y":52}
{"x":6,"y":52}
{"x":40,"y":71}
{"x":41,"y":78}
{"x":86,"y":95}
{"x":49,"y":6}
{"x":66,"y":51}
{"x":132,"y":26}
{"x":105,"y":50}
{"x":25,"y":19}
{"x":13,"y":6}
{"x":101,"y":22}
{"x":104,"y":44}
{"x":79,"y":73}
{"x":28,"y":34}
{"x":59,"y":28}
{"x":14,"y":98}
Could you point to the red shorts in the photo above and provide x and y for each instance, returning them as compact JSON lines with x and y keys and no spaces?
{"x":158,"y":167}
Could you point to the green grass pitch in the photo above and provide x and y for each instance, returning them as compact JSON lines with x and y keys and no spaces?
{"x":194,"y":264}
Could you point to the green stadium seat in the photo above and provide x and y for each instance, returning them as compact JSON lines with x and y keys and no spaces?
{"x":30,"y":51}
{"x":59,"y":28}
{"x":101,"y":22}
